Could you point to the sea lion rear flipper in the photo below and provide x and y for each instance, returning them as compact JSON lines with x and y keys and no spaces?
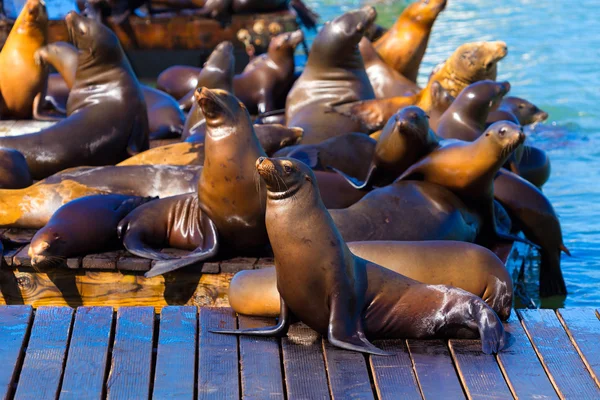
{"x":279,"y":330}
{"x":354,"y":182}
{"x":514,"y":238}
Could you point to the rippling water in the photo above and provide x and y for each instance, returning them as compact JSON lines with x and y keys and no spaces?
{"x":552,"y":61}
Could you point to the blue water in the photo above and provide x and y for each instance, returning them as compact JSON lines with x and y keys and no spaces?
{"x":553,"y":61}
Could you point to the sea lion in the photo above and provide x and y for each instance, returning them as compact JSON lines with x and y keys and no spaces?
{"x":82,"y":226}
{"x":165,"y":119}
{"x":350,"y":153}
{"x":525,"y":111}
{"x":440,"y":102}
{"x":334,"y":74}
{"x":22,"y":78}
{"x":533,"y":214}
{"x":106,"y":114}
{"x":466,"y":266}
{"x":468,"y":169}
{"x":404,"y":140}
{"x":181,"y":153}
{"x":386,"y":81}
{"x":345,"y":297}
{"x":33,"y":206}
{"x":254,"y":6}
{"x":534,"y":166}
{"x":14,"y":173}
{"x":403,"y":46}
{"x":177,"y":81}
{"x":470,"y":62}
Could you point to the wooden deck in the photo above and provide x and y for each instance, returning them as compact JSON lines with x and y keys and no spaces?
{"x":94,"y":353}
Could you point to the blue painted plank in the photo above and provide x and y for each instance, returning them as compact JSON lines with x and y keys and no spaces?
{"x":14,"y":326}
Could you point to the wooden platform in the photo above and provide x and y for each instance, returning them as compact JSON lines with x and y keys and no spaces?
{"x":93,"y":353}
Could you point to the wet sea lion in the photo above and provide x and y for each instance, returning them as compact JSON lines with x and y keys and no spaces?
{"x":534,"y":215}
{"x":534,"y":166}
{"x":468,"y":169}
{"x":525,"y":111}
{"x":165,"y":118}
{"x":177,"y":81}
{"x":440,"y":102}
{"x":82,"y":226}
{"x":182,"y":153}
{"x":14,"y":173}
{"x":21,"y":77}
{"x":386,"y":81}
{"x":334,"y":74}
{"x":106,"y":114}
{"x":349,"y":153}
{"x":470,"y":62}
{"x":404,"y":140}
{"x":347,"y":298}
{"x":403,"y":46}
{"x":33,"y":206}
{"x":466,"y":266}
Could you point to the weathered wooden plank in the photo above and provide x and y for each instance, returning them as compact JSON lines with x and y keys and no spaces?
{"x":347,"y":373}
{"x":265,"y":262}
{"x":218,"y":369}
{"x":305,"y":375}
{"x":74,"y":262}
{"x":435,"y":372}
{"x":104,"y":261}
{"x":520,"y":365}
{"x":562,"y":363}
{"x":260,"y":362}
{"x":131,"y":368}
{"x":393,"y":375}
{"x":480,"y":375}
{"x":237,"y":264}
{"x":22,"y":259}
{"x":44,"y":360}
{"x":9,"y":255}
{"x":88,"y":354}
{"x":583,"y":328}
{"x":14,"y":327}
{"x":128,"y":262}
{"x":174,"y":376}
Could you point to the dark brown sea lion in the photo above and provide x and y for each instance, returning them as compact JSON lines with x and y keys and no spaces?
{"x":463,"y":265}
{"x":386,"y":81}
{"x":403,"y":46}
{"x":33,"y":206}
{"x":350,"y":153}
{"x":404,"y":140}
{"x":334,"y":74}
{"x":534,"y":166}
{"x":345,"y":297}
{"x":82,"y":226}
{"x":468,"y":169}
{"x":165,"y":118}
{"x":533,"y":214}
{"x":14,"y":173}
{"x":471,"y":62}
{"x":177,"y":81}
{"x":21,"y":77}
{"x":106,"y":114}
{"x":64,"y":58}
{"x":525,"y":111}
{"x":440,"y":102}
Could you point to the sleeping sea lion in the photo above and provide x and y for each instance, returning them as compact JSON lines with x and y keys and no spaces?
{"x":334,"y":74}
{"x":403,"y":46}
{"x":468,"y":169}
{"x":347,"y":298}
{"x":106,"y":114}
{"x":82,"y":226}
{"x":463,"y":265}
{"x":22,"y":77}
{"x":404,"y":140}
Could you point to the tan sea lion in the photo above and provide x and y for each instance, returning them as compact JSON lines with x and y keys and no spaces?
{"x":14,"y":173}
{"x":404,"y":140}
{"x":32,"y":207}
{"x":403,"y":46}
{"x":22,"y":78}
{"x":470,"y":62}
{"x":106,"y":114}
{"x":345,"y":297}
{"x":80,"y":227}
{"x":533,"y":214}
{"x":386,"y":81}
{"x":466,"y":266}
{"x":334,"y":74}
{"x":468,"y":169}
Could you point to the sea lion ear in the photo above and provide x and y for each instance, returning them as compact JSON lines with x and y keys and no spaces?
{"x":360,"y":27}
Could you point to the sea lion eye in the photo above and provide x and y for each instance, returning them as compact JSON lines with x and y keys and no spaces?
{"x":287,"y":169}
{"x":521,"y":106}
{"x":502,"y":131}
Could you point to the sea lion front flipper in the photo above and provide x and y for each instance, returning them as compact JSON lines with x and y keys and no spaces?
{"x":354,"y":182}
{"x":491,"y":330}
{"x":209,"y":248}
{"x":279,"y":330}
{"x":367,"y":112}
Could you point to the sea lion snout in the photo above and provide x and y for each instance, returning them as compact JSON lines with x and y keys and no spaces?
{"x":296,"y":37}
{"x":36,"y":249}
{"x":504,"y":87}
{"x":370,"y":15}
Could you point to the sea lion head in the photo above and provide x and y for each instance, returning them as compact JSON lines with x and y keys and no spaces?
{"x":506,"y":135}
{"x":33,"y":15}
{"x":285,"y":42}
{"x":294,"y":136}
{"x":477,"y":61}
{"x":481,"y":97}
{"x":440,"y":97}
{"x":94,"y":40}
{"x":44,"y":246}
{"x":224,"y":113}
{"x":411,"y":122}
{"x":525,"y":111}
{"x":285,"y":177}
{"x":218,"y":70}
{"x":424,"y":12}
